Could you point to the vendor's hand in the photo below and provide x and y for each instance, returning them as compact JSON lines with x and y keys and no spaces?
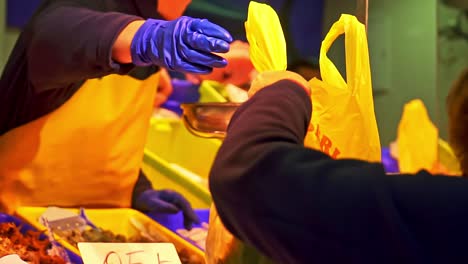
{"x":185,"y":44}
{"x":265,"y":79}
{"x":164,"y":89}
{"x":238,"y":70}
{"x":169,"y":202}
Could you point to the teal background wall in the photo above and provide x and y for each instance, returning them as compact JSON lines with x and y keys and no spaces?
{"x":8,"y":36}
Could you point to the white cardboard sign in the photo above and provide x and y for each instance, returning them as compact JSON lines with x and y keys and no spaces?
{"x":129,"y":253}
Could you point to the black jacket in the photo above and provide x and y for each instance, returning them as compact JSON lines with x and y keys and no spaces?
{"x":297,"y":205}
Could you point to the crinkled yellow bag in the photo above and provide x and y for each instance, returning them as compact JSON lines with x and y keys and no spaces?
{"x":268,"y":52}
{"x":418,"y":143}
{"x":417,"y":139}
{"x":223,"y":248}
{"x":448,"y":161}
{"x":266,"y":38}
{"x":343,"y":123}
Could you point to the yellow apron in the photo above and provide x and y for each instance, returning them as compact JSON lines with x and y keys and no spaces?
{"x":88,"y":152}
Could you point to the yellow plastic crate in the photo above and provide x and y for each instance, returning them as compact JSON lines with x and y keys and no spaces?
{"x":117,"y":221}
{"x":170,"y":140}
{"x":209,"y":92}
{"x":164,"y":176}
{"x":178,"y":160}
{"x":175,"y":159}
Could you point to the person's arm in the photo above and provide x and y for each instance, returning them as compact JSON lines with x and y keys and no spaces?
{"x":71,"y":43}
{"x":297,"y":205}
{"x":121,"y":48}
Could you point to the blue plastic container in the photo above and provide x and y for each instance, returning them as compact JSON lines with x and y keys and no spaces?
{"x":184,"y":91}
{"x":4,"y":218}
{"x":173,"y":106}
{"x":390,"y":164}
{"x":176,"y":221}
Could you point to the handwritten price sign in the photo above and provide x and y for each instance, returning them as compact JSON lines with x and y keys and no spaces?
{"x":128,"y":253}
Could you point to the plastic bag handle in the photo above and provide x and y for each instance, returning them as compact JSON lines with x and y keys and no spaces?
{"x":345,"y":25}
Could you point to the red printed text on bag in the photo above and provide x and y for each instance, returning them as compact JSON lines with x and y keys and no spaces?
{"x":326,"y":144}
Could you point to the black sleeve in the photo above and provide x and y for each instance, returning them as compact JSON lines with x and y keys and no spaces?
{"x":297,"y":205}
{"x":70,"y":43}
{"x":142,"y":184}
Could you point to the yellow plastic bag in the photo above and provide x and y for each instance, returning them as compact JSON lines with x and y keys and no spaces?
{"x":448,"y":161}
{"x":219,"y":241}
{"x":343,"y":121}
{"x":224,"y":248}
{"x":268,"y":52}
{"x":419,"y":146}
{"x":266,"y":38}
{"x":416,"y":139}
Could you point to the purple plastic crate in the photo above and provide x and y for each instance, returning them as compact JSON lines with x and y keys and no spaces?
{"x":183,"y":92}
{"x":174,"y":222}
{"x":390,"y":164}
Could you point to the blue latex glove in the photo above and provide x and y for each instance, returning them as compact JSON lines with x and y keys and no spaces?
{"x":185,"y":45}
{"x":169,"y":202}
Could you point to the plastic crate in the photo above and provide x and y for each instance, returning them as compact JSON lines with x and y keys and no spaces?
{"x":175,"y":159}
{"x":164,"y":176}
{"x":117,"y":221}
{"x":178,"y":160}
{"x":209,"y":92}
{"x":174,"y":222}
{"x":24,"y":227}
{"x":170,"y":140}
{"x":183,"y":92}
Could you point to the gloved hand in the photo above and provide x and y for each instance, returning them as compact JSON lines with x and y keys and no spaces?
{"x":166,"y":201}
{"x":185,"y":45}
{"x":269,"y":77}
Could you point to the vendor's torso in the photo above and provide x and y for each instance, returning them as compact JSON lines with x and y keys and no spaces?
{"x":87,"y":152}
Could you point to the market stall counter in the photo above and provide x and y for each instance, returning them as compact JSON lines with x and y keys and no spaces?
{"x":112,"y":225}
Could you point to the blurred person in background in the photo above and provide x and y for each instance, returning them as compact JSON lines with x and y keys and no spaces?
{"x":306,"y":69}
{"x":76,"y":96}
{"x":239,"y":70}
{"x":298,"y":205}
{"x":232,"y":81}
{"x":457,"y":105}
